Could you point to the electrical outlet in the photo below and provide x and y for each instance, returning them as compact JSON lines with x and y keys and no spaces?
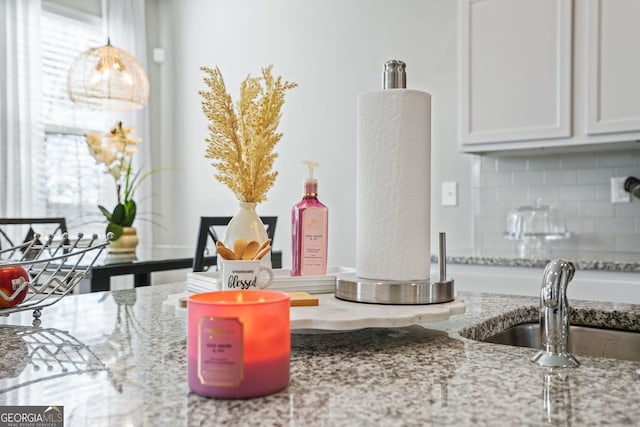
{"x":449,"y":196}
{"x":618,"y":193}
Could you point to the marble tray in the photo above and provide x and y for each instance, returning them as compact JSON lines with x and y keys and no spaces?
{"x":335,"y":315}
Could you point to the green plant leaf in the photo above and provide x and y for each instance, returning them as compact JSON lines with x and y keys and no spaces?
{"x":105,"y":212}
{"x":139,"y":177}
{"x":118,"y":215}
{"x":129,"y":213}
{"x":127,"y":181}
{"x":116,"y":229}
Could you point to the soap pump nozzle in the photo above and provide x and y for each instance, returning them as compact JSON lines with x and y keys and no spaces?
{"x":310,"y":184}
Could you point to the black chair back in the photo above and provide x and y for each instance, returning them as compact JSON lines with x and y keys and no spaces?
{"x":207,"y":231}
{"x":12,"y":229}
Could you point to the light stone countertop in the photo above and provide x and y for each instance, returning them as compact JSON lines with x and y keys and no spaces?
{"x":628,"y":262}
{"x":125,"y":361}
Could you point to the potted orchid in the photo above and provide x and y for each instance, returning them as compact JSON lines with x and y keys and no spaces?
{"x":116,"y":152}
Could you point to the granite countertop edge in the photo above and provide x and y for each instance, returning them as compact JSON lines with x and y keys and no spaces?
{"x":581,"y":263}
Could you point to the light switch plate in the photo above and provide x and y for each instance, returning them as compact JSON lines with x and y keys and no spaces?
{"x":618,"y":193}
{"x":449,"y":194}
{"x":159,"y":55}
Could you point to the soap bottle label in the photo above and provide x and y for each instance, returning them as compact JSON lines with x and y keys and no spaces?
{"x":314,"y":246}
{"x":220,"y":351}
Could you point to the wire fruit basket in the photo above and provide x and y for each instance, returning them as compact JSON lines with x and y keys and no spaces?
{"x":55,"y":268}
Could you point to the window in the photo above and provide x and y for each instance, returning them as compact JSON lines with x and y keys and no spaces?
{"x":71,"y":185}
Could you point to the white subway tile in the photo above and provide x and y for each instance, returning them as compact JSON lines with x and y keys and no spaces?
{"x":494,"y":210}
{"x":476,"y":200}
{"x":488,"y":195}
{"x":546,"y":193}
{"x":627,"y":171}
{"x":561,"y":177}
{"x":628,"y":243}
{"x":489,"y":164}
{"x":595,"y":176}
{"x":494,"y":225}
{"x":509,"y":164}
{"x":527,"y":178}
{"x":616,"y":159}
{"x":497,"y":179}
{"x":582,"y":225}
{"x":622,"y":210}
{"x":568,"y":208}
{"x":496,"y":241}
{"x":595,"y":209}
{"x":511,"y":195}
{"x":596,"y":242}
{"x":565,"y":248}
{"x":611,"y":226}
{"x":579,"y":161}
{"x":577,"y":192}
{"x":539,"y":163}
{"x":603,"y":192}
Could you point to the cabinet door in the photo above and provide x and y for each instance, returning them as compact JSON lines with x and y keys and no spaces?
{"x":613,"y":66}
{"x":515,"y":70}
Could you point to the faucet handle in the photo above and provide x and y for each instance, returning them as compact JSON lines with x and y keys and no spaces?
{"x":557,"y":275}
{"x":558,"y":266}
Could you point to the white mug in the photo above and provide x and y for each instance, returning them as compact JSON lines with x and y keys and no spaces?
{"x":244,"y":274}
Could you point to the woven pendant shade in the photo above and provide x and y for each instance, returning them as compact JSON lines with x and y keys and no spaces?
{"x":108,"y":78}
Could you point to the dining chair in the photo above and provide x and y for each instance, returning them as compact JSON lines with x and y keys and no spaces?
{"x":208,"y":232}
{"x":12,"y":229}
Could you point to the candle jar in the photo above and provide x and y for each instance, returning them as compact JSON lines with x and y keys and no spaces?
{"x":238,"y":343}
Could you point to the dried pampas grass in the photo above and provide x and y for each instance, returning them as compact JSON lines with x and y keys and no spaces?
{"x":242,"y":137}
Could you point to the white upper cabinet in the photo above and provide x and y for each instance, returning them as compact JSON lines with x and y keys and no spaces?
{"x":612,"y":65}
{"x":548,"y":73}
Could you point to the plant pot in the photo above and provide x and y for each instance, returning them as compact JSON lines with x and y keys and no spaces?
{"x":246,"y":224}
{"x":127,"y":243}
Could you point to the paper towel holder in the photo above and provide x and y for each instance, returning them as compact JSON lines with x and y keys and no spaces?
{"x":356,"y":289}
{"x":394,"y":75}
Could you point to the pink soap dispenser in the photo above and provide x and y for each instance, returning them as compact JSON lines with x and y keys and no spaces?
{"x":309,"y":231}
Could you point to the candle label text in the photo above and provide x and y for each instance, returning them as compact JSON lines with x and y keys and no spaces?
{"x":220,"y":351}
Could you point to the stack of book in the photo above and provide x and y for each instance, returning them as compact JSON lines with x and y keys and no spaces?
{"x":209,"y":281}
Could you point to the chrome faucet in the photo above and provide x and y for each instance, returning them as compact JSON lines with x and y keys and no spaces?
{"x":554,"y":316}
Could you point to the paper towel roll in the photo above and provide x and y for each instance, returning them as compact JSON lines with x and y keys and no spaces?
{"x":393,"y":189}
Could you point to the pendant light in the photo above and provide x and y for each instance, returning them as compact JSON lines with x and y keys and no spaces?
{"x":109,"y":78}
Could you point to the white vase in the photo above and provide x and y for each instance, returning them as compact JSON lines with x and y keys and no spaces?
{"x":246,"y":224}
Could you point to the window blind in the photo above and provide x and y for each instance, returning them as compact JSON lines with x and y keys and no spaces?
{"x":71,"y":183}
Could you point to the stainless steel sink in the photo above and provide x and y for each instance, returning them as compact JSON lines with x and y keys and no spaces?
{"x":583,"y":340}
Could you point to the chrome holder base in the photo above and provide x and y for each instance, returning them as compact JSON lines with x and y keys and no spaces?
{"x":555,"y":360}
{"x":356,"y":289}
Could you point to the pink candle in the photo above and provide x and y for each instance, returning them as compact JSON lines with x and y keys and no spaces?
{"x":238,"y":343}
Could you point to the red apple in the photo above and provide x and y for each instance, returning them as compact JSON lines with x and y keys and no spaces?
{"x":11,"y":279}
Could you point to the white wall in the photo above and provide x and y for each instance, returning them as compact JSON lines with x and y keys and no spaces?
{"x":334,"y":50}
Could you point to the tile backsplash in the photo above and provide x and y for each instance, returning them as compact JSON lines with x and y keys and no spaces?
{"x":578,"y":185}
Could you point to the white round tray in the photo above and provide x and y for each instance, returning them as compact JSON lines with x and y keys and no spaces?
{"x":335,"y":315}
